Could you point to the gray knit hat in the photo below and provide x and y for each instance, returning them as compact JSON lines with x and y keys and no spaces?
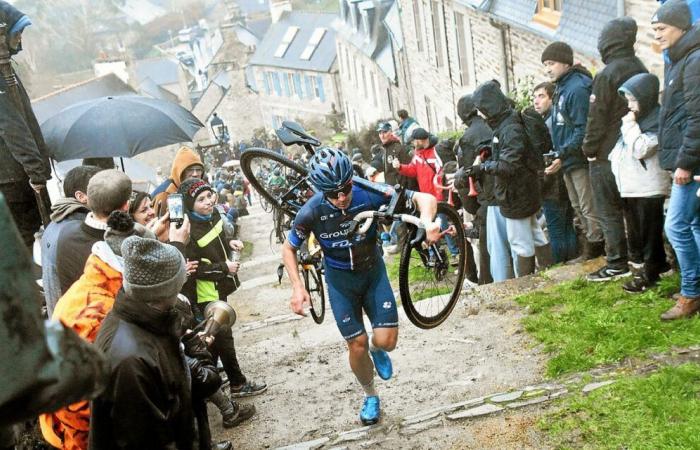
{"x":675,"y":13}
{"x":152,"y":270}
{"x":120,"y":226}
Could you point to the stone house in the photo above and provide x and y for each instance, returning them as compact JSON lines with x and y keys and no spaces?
{"x":368,"y":44}
{"x":294,"y":69}
{"x":451,"y":46}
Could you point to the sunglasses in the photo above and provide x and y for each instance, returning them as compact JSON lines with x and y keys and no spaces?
{"x":345,"y":190}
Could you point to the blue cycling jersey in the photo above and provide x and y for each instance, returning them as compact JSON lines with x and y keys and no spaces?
{"x":331,"y":225}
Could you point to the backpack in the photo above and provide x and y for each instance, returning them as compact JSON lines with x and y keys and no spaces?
{"x":539,"y":139}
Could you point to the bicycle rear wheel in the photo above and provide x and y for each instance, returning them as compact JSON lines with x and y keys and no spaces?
{"x":313,"y":281}
{"x":296,"y":190}
{"x":430,"y":279}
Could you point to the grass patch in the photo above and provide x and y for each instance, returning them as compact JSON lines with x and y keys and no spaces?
{"x":660,"y":411}
{"x":419,"y":276}
{"x":583,"y":325}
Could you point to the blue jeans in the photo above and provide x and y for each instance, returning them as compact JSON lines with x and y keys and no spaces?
{"x":683,"y":231}
{"x":451,"y":244}
{"x":497,"y":244}
{"x":562,"y":234}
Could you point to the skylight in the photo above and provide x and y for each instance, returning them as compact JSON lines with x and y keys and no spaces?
{"x":313,"y":43}
{"x":286,"y":41}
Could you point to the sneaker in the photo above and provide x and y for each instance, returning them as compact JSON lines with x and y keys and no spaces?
{"x":382,"y":363}
{"x":469,"y":285}
{"x":638,"y":285}
{"x":240,"y":414}
{"x":454,"y":260}
{"x":369,"y":415}
{"x":608,"y":273}
{"x":249,"y":389}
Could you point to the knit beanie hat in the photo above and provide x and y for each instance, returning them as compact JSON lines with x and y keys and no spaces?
{"x":152,"y":270}
{"x":120,"y":226}
{"x":675,"y":13}
{"x":190,"y":189}
{"x":558,"y":52}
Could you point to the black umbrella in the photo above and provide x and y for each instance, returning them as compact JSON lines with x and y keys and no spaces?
{"x":117,"y":126}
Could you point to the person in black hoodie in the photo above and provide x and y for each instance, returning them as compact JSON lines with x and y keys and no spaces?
{"x":606,"y":109}
{"x":24,"y":161}
{"x":514,"y":164}
{"x":476,"y":136}
{"x":148,"y":399}
{"x":570,"y":112}
{"x":215,"y":278}
{"x":679,"y":146}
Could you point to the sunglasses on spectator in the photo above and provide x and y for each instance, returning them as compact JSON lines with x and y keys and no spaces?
{"x":345,"y":190}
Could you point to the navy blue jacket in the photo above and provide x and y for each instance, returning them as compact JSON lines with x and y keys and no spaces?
{"x":679,"y":119}
{"x":570,"y":112}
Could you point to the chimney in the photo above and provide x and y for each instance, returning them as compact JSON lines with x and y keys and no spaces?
{"x":278,"y":8}
{"x":368,"y":15}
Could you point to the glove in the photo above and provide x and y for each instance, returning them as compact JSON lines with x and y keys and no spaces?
{"x":476,"y":171}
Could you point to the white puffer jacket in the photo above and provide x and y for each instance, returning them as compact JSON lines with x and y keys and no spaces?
{"x":635,"y":164}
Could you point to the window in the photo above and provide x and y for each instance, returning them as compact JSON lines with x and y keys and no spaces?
{"x":276,"y":83}
{"x":437,"y":32}
{"x":389,"y":99}
{"x":462,"y":60}
{"x":297,"y":86}
{"x":286,"y":40}
{"x":417,"y":24}
{"x":266,"y":83}
{"x":373,"y":79}
{"x":319,"y":89}
{"x":309,"y":87}
{"x":313,"y":43}
{"x":347,"y":64}
{"x":288,"y":84}
{"x":548,"y":12}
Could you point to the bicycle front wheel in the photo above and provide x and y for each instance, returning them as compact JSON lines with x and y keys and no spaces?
{"x":289,"y":197}
{"x":430,"y":279}
{"x":313,"y":281}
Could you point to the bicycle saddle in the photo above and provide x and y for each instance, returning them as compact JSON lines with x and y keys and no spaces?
{"x":291,"y":133}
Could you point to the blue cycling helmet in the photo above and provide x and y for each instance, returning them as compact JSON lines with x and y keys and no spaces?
{"x":329,"y":169}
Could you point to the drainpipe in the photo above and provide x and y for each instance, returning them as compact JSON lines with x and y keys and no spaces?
{"x":504,"y":49}
{"x":620,"y":8}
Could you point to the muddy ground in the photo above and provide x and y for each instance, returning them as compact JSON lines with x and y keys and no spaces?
{"x":481,"y":349}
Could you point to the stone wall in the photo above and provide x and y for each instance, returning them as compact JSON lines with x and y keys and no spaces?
{"x":435,"y":90}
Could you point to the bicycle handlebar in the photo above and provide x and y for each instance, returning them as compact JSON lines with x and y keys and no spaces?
{"x":369,"y":216}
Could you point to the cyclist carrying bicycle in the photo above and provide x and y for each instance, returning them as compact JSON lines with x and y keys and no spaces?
{"x":354,"y":269}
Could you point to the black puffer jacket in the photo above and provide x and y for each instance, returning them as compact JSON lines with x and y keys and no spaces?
{"x":679,"y":119}
{"x":514,"y":165}
{"x":477,"y":133}
{"x":147,"y":403}
{"x":607,"y":107}
{"x":23,"y":153}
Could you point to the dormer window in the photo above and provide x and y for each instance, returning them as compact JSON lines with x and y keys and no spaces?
{"x":286,"y":41}
{"x":548,"y":12}
{"x":313,"y":43}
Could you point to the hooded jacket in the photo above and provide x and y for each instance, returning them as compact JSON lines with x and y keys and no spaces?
{"x":570,"y":112}
{"x":82,"y":309}
{"x":513,"y":164}
{"x":147,"y":403}
{"x":423,"y":167}
{"x":679,"y":129}
{"x":184,"y":158}
{"x":607,"y":107}
{"x":475,"y":136}
{"x":23,"y":153}
{"x":634,"y":160}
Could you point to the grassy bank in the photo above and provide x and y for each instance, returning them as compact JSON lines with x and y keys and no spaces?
{"x":583,"y":325}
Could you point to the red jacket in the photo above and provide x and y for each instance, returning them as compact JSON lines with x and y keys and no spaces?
{"x":424,"y":166}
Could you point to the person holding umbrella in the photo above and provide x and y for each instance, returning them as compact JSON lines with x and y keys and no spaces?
{"x":24,"y":163}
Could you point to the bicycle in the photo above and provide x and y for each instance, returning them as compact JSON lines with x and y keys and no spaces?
{"x":429,"y":285}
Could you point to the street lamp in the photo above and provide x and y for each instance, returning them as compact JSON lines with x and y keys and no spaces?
{"x":219,"y":129}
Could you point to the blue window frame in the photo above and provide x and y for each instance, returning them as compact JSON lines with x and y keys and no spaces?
{"x":297,"y":85}
{"x":266,"y":83}
{"x":277,"y":84}
{"x":287,"y":86}
{"x":309,"y":88}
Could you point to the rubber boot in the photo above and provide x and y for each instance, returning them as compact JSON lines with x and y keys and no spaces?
{"x":524,"y":265}
{"x":544,"y":257}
